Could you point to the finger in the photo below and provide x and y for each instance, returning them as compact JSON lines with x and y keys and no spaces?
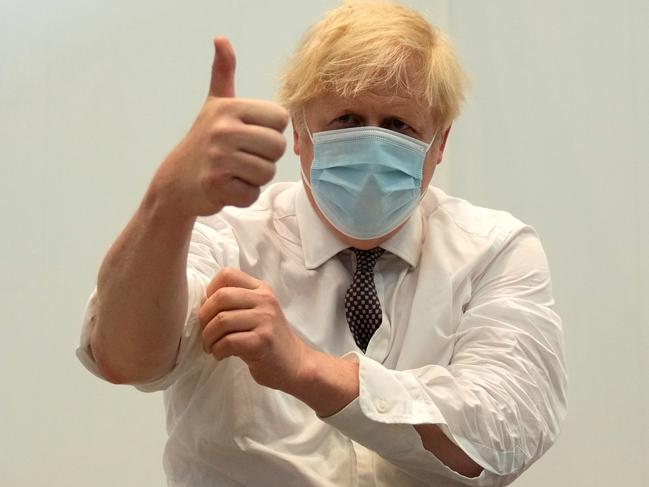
{"x":227,"y":322}
{"x":239,"y":193}
{"x":261,"y":141}
{"x":253,"y":169}
{"x":230,"y":277}
{"x":223,"y":68}
{"x":244,"y":344}
{"x":263,"y":112}
{"x":225,"y":299}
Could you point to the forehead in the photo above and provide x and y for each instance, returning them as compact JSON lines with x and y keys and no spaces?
{"x":381,"y":103}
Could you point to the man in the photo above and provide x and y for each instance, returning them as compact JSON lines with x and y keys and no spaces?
{"x":359,"y":327}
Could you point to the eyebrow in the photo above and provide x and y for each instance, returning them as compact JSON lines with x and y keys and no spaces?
{"x":412,"y":117}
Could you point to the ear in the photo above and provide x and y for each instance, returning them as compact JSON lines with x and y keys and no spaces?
{"x":442,"y":145}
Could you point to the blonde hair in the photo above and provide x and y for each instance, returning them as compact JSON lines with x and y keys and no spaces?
{"x":366,"y":45}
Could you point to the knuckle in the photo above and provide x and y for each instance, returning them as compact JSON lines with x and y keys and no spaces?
{"x":206,"y":336}
{"x":267,"y":292}
{"x":268,"y":172}
{"x":217,"y":351}
{"x":266,"y":296}
{"x":265,"y":315}
{"x":226,"y":104}
{"x":215,"y":152}
{"x":280,"y":147}
{"x":223,"y":130}
{"x":227,"y":273}
{"x":220,"y":319}
{"x":202,"y":317}
{"x":225,"y":342}
{"x":220,"y":349}
{"x":265,"y":336}
{"x":220,"y":294}
{"x":254,"y":194}
{"x":211,"y":180}
{"x":246,"y":197}
{"x":283,"y":117}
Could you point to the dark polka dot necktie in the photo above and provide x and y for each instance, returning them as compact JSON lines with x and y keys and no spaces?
{"x":362,"y":306}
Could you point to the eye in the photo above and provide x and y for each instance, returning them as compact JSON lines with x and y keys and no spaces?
{"x":345,"y":121}
{"x":397,"y":125}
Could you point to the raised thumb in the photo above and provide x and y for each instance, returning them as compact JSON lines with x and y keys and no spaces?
{"x":222,"y":82}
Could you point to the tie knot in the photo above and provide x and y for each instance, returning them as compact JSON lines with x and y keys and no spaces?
{"x":366,"y":259}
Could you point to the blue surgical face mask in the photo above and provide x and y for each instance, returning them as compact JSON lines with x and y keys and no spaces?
{"x":366,"y":180}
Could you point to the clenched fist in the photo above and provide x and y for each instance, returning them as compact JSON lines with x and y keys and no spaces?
{"x":229,"y":152}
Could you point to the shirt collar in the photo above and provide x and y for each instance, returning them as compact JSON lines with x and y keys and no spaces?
{"x":406,"y":243}
{"x":319,"y":244}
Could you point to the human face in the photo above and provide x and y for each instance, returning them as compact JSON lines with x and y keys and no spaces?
{"x":387,"y":110}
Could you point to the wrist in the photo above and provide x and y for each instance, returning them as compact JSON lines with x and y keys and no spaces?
{"x":325,"y":383}
{"x":168,"y":196}
{"x":161,"y":204}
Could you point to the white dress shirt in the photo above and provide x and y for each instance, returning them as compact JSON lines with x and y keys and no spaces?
{"x":469,"y":341}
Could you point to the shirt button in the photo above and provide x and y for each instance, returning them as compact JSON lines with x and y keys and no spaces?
{"x":381,"y":405}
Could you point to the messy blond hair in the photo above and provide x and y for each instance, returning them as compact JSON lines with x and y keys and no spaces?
{"x":364,"y":45}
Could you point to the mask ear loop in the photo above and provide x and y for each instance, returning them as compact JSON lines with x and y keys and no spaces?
{"x":431,"y":142}
{"x":306,"y":125}
{"x":425,"y":190}
{"x":305,"y":180}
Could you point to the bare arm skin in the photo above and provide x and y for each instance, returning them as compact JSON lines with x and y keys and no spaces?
{"x":142,"y":295}
{"x":229,"y":152}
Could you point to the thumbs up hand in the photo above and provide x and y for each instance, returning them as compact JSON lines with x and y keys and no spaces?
{"x":230,"y":150}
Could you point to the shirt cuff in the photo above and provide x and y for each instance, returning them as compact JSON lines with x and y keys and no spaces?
{"x":392,"y":400}
{"x":392,"y":396}
{"x":383,"y":416}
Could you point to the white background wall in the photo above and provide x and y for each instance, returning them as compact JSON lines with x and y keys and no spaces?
{"x":94,"y":94}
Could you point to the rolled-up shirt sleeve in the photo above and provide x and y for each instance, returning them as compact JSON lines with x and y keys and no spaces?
{"x":212,"y":247}
{"x":502,"y":397}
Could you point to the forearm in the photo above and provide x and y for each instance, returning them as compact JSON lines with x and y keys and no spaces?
{"x":451,"y":455}
{"x":228,"y":154}
{"x":331,"y":383}
{"x":142,"y":294}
